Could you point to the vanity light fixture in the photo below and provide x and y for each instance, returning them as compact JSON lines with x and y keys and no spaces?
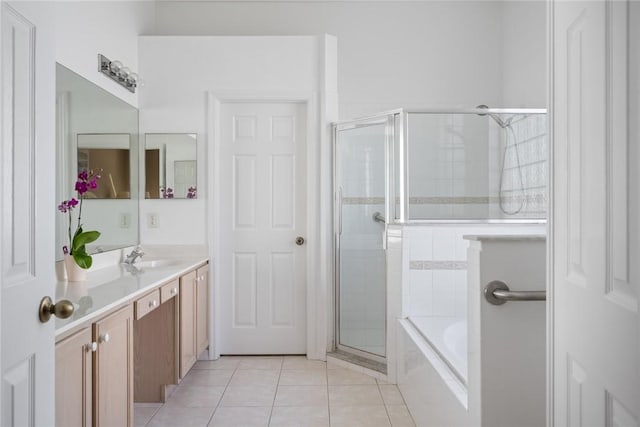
{"x":117,"y":72}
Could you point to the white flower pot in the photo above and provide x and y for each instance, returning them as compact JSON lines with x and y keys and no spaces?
{"x":74,"y":272}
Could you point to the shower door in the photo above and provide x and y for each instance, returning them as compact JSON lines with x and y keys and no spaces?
{"x":361,"y":190}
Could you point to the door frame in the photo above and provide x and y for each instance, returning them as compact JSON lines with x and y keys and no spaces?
{"x":550,"y":217}
{"x":317,"y":213}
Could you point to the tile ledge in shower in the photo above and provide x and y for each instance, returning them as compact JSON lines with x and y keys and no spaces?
{"x":506,"y":237}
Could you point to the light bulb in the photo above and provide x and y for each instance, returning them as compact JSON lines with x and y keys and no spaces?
{"x":132,"y":79}
{"x":115,"y":66}
{"x":124,"y":72}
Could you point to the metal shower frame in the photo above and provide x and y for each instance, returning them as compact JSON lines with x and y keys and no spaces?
{"x":396,"y":158}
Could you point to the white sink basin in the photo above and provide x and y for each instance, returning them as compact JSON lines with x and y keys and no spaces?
{"x":154,"y":263}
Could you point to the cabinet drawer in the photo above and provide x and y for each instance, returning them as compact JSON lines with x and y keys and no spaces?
{"x":147,"y":303}
{"x":169,"y":291}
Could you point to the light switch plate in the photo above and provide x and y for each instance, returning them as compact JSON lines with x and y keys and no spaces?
{"x":152,"y":220}
{"x":125,"y":220}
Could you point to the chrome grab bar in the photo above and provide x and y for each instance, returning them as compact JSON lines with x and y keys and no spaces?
{"x":377,"y":217}
{"x":497,"y":293}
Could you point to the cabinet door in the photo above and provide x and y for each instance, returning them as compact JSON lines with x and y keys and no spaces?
{"x":188,"y":348}
{"x":113,"y":369}
{"x":73,"y":380}
{"x":202,"y":309}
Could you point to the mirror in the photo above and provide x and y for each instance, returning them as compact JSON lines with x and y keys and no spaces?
{"x":170,"y":166}
{"x":110,"y":154}
{"x":96,"y":130}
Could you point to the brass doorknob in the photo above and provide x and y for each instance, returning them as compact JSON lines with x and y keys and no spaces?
{"x":62,"y":309}
{"x":299,"y":240}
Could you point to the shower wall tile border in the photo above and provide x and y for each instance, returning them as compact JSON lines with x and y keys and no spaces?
{"x":363,"y":200}
{"x":437,"y":265}
{"x":480,"y":200}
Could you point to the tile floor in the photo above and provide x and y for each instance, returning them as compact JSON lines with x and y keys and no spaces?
{"x":276,"y":391}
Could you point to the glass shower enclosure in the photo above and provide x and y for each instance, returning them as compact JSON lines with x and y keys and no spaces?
{"x":361,"y":168}
{"x":477,"y":165}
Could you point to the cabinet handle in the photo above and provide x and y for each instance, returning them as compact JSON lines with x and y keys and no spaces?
{"x":153,"y":303}
{"x":174,"y":291}
{"x":91,"y":347}
{"x":202,"y":277}
{"x":104,"y":338}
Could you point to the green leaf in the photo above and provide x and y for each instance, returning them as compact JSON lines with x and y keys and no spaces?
{"x":82,"y":259}
{"x":83,"y":238}
{"x":79,"y":249}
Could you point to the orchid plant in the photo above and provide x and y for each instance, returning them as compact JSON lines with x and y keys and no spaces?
{"x":167,"y":193}
{"x":80,"y":238}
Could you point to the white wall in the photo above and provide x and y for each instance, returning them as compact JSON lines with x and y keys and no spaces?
{"x":524,"y":53}
{"x":173,"y":103}
{"x":83,"y":29}
{"x":86,"y":28}
{"x":394,"y":54}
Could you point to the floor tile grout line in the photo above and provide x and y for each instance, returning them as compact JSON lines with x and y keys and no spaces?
{"x":151,"y":417}
{"x":384,"y":403}
{"x":326,"y":371}
{"x":222,"y":395}
{"x":275,"y":394}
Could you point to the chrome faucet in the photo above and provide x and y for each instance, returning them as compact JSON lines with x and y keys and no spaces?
{"x":134,"y":255}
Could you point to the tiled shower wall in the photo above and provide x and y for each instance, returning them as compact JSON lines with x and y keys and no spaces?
{"x":525,"y":142}
{"x":456,"y":162}
{"x":435,"y":266}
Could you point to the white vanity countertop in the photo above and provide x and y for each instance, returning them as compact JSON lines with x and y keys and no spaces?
{"x":111,"y":287}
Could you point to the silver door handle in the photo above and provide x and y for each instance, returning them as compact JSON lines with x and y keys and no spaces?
{"x":299,"y":240}
{"x":498,"y":293}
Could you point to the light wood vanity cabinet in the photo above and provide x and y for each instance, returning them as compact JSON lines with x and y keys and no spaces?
{"x":113,"y":369}
{"x":147,"y":303}
{"x":188,"y":338}
{"x":156,"y":345}
{"x":138,"y":352}
{"x":74,"y":371}
{"x":202,"y":309}
{"x":94,"y":374}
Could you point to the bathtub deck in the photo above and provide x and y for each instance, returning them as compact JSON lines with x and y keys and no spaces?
{"x":448,"y":337}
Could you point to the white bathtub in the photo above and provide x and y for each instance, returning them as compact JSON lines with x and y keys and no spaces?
{"x":434,"y":390}
{"x":448,"y":337}
{"x":492,"y":374}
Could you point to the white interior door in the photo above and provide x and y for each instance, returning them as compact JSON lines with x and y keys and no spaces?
{"x":595,"y":216}
{"x":184,"y":175}
{"x":27,"y":215}
{"x":263,"y":211}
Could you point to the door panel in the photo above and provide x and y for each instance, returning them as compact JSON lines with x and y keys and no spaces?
{"x":184,"y":175}
{"x":262,"y":270}
{"x":595,"y":221}
{"x":26,"y":251}
{"x":361,"y":194}
{"x":74,"y":393}
{"x":113,"y":369}
{"x":188,"y":322}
